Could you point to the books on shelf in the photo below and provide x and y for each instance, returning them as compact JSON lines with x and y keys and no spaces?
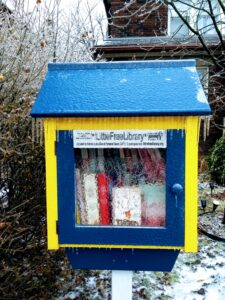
{"x":120,"y":187}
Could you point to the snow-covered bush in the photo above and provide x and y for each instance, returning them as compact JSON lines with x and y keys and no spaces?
{"x":30,"y":37}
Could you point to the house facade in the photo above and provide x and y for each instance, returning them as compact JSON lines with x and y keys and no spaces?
{"x":143,"y":30}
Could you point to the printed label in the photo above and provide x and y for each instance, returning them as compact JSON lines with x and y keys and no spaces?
{"x":119,"y":138}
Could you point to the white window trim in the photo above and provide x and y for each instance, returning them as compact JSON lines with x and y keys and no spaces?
{"x":191,"y":13}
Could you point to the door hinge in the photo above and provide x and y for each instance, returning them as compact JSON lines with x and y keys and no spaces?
{"x":57,"y":227}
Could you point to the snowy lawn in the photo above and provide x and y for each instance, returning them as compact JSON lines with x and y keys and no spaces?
{"x":195,"y":276}
{"x":199,"y":276}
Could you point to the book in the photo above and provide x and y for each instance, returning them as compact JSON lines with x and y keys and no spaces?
{"x":160,"y":168}
{"x":103,"y":195}
{"x":84,"y":160}
{"x":153,"y":210}
{"x":148,"y":164}
{"x":91,"y":199}
{"x":126,"y":206}
{"x":92,"y":161}
{"x":80,"y":201}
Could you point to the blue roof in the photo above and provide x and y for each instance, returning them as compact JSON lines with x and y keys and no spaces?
{"x":144,"y":88}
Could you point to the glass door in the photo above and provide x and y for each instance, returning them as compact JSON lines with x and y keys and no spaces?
{"x":116,"y":187}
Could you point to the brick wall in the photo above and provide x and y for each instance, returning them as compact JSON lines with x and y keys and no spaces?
{"x":131,"y":20}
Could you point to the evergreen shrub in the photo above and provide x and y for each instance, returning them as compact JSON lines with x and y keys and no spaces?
{"x":216,"y":161}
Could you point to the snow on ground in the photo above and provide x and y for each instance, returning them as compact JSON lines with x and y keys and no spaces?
{"x":196,"y":276}
{"x":199,"y":276}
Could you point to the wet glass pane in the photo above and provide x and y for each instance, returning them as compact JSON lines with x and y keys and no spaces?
{"x":120,"y":186}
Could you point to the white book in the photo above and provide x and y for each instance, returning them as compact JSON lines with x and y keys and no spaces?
{"x":91,"y":199}
{"x":126,"y":206}
{"x":80,"y":197}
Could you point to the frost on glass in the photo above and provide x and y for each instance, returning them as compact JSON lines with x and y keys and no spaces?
{"x":123,"y":187}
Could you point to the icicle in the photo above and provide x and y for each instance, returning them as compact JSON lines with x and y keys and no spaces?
{"x":41,"y":132}
{"x":37,"y":130}
{"x":205,"y":129}
{"x":208,"y":125}
{"x":33,"y":131}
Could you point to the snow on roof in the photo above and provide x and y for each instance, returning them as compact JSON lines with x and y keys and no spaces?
{"x":135,"y":88}
{"x":159,"y":40}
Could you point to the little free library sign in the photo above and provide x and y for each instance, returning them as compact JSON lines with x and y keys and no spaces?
{"x":121,"y":144}
{"x":119,"y":138}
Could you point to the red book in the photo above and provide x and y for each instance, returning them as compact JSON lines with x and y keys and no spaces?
{"x":103,"y":194}
{"x":159,"y":164}
{"x":149,"y":165}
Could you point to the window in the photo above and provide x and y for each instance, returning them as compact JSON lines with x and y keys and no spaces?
{"x":124,"y":187}
{"x":114,"y":187}
{"x":205,"y":25}
{"x":177,"y":27}
{"x":197,"y":13}
{"x":204,"y":22}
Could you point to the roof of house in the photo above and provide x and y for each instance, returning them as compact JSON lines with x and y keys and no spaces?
{"x":160,"y":42}
{"x":143,"y":88}
{"x":192,"y":39}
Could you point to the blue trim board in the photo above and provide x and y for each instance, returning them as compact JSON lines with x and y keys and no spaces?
{"x":170,"y":235}
{"x":121,"y":65}
{"x":84,"y":114}
{"x":122,"y":259}
{"x":147,"y":88}
{"x":65,"y":174}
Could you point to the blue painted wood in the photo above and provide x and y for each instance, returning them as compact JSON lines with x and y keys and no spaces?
{"x":122,"y":259}
{"x":65,"y":175}
{"x":170,"y":235}
{"x":121,"y":89}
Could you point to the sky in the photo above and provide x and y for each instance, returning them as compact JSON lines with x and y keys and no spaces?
{"x":64,"y":4}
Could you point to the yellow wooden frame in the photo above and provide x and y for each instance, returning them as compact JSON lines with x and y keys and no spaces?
{"x":189,"y":124}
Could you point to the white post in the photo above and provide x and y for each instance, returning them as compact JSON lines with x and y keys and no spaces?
{"x":122,"y":285}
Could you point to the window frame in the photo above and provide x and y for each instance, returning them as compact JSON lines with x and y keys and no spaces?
{"x":70,"y":233}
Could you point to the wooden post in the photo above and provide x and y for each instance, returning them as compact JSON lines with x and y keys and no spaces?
{"x":122,"y":285}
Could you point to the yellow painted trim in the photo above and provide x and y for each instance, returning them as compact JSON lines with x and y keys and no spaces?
{"x":118,"y":246}
{"x":118,"y":123}
{"x":191,"y":184}
{"x":51,"y":184}
{"x":190,"y":124}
